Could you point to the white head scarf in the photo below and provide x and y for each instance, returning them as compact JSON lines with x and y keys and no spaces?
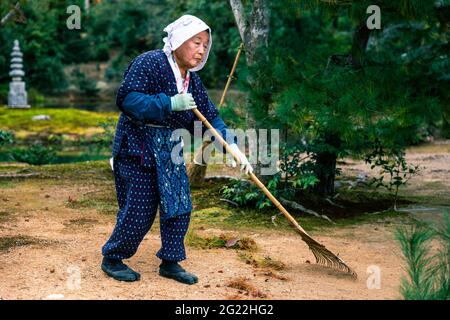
{"x":183,"y":29}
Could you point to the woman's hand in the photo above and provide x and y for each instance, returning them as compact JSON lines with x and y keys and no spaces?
{"x":245,"y":165}
{"x":182,"y":102}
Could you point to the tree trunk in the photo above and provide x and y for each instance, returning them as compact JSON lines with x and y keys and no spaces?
{"x":197,"y":169}
{"x":326,"y":166}
{"x":254,"y":30}
{"x":325,"y":173}
{"x":360,"y":40}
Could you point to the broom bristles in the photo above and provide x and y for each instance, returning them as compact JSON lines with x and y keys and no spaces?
{"x":326,"y":257}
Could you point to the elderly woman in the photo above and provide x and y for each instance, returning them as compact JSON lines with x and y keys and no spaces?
{"x":159,"y":89}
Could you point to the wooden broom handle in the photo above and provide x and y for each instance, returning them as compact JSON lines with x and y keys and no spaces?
{"x":252,"y":175}
{"x":230,"y":76}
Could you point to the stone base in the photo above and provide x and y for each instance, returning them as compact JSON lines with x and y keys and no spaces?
{"x":17,"y":96}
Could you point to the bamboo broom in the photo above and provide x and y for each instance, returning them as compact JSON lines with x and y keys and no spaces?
{"x":322,"y":254}
{"x":230,"y":76}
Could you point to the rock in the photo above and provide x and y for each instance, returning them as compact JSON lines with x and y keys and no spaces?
{"x":40,"y":117}
{"x":101,"y":85}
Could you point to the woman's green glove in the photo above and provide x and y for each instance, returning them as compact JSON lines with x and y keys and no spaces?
{"x":182,"y":102}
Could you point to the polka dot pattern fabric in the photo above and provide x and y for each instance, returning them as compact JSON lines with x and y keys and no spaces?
{"x":138,"y":199}
{"x":145,"y":176}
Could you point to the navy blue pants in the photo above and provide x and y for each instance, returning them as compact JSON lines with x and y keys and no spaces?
{"x":138,"y":198}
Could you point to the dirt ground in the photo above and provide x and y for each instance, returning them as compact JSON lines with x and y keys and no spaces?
{"x":56,"y":252}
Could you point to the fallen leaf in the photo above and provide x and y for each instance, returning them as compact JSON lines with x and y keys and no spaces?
{"x":232,"y":242}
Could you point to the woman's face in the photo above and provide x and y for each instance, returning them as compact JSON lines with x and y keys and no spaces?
{"x":192,"y":51}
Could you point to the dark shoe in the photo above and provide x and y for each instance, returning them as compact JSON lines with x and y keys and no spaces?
{"x":173,"y":270}
{"x":116,"y":269}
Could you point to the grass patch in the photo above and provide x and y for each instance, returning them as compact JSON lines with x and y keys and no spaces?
{"x":258,"y":262}
{"x":92,"y":172}
{"x":4,"y":216}
{"x":193,"y":239}
{"x":12,"y":242}
{"x":63,"y":121}
{"x":104,"y":201}
{"x":6,"y":167}
{"x":5,"y":184}
{"x":209,"y":210}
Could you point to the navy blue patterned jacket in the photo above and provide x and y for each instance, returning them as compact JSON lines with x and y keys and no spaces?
{"x":144,"y":97}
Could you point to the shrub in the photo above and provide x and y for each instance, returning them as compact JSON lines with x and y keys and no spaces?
{"x":37,"y":154}
{"x":6,"y":137}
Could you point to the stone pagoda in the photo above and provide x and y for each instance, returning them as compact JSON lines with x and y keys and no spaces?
{"x":17,"y":97}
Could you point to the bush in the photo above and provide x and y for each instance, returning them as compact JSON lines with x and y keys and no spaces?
{"x":84,"y":84}
{"x":393,"y":165}
{"x":104,"y":139}
{"x":102,"y":52}
{"x":296,"y":174}
{"x":6,"y":137}
{"x":37,"y":154}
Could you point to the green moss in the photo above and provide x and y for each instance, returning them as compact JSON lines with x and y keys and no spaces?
{"x":258,"y":262}
{"x":95,"y":171}
{"x":196,"y":241}
{"x":193,"y":239}
{"x":63,"y":121}
{"x":210,"y":211}
{"x":104,"y":201}
{"x":4,"y":184}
